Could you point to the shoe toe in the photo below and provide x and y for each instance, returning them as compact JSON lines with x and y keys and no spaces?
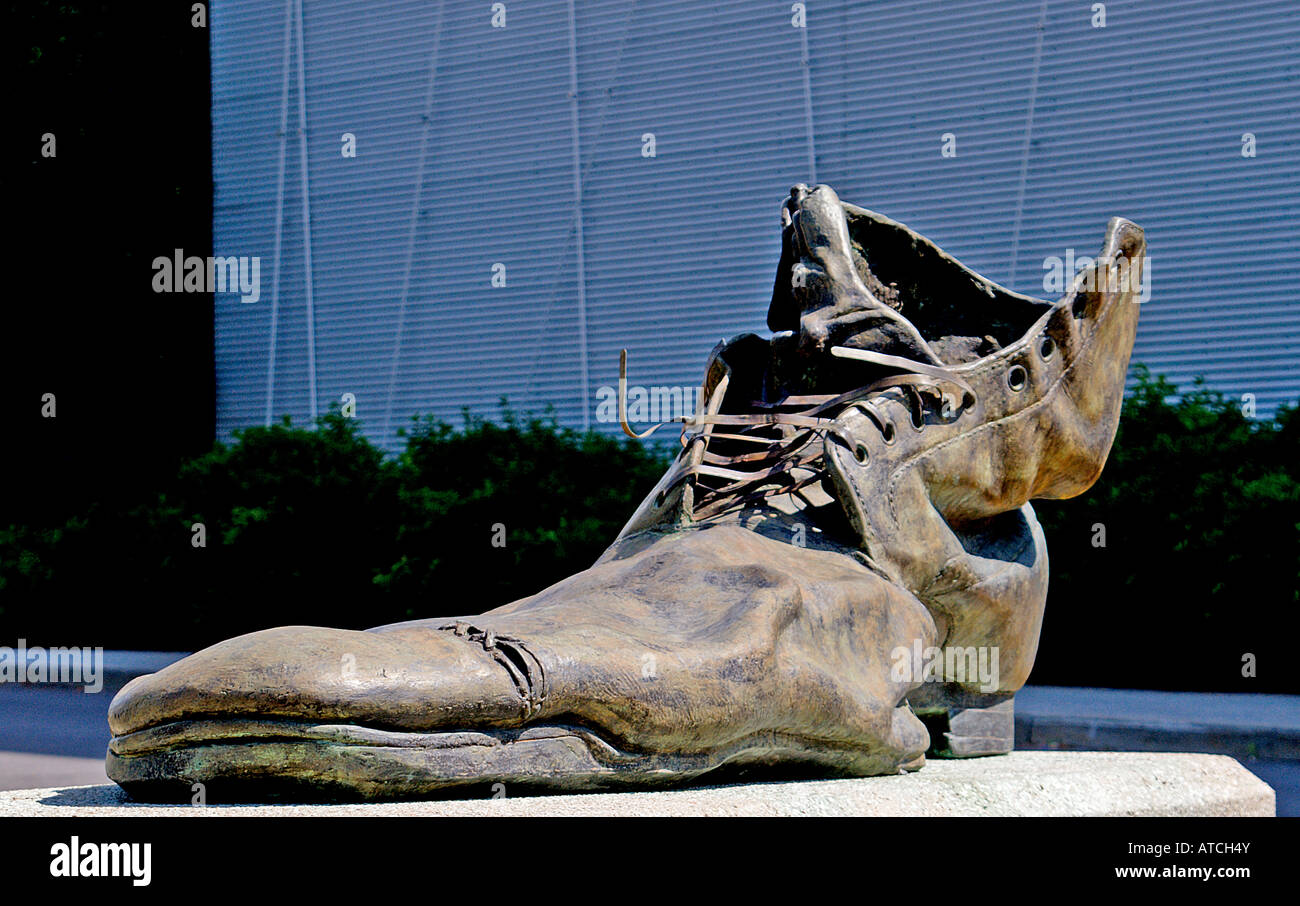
{"x":414,"y":679}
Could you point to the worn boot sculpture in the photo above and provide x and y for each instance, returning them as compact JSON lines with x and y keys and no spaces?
{"x":849,"y":508}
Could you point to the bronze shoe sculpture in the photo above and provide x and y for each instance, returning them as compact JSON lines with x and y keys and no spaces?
{"x":851,"y":498}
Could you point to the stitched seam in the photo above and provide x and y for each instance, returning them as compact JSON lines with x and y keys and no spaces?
{"x":948,"y":564}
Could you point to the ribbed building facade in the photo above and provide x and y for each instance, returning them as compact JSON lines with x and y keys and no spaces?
{"x":456,"y":202}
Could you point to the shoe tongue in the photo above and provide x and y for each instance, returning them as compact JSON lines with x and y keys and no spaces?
{"x":894,"y":336}
{"x":794,"y":371}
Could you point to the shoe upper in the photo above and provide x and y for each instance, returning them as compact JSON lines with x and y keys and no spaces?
{"x":929,"y":403}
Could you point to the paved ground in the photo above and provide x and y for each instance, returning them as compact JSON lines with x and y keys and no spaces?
{"x":1260,"y":731}
{"x":1168,"y":710}
{"x":53,"y":720}
{"x":21,"y":770}
{"x":1023,"y":783}
{"x":64,"y":720}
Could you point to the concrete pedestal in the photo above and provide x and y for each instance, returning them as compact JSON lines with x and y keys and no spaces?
{"x":1023,"y":783}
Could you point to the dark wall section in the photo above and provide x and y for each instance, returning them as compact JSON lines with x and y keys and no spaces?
{"x":125,"y":90}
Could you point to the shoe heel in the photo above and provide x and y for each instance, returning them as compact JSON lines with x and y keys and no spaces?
{"x":967,"y":724}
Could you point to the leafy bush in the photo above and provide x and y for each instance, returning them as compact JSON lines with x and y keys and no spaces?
{"x":558,"y":496}
{"x":317,"y":527}
{"x":1198,"y":503}
{"x":1200,"y":509}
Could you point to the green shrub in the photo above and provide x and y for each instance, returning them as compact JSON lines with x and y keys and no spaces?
{"x":1201,"y":565}
{"x":317,"y":527}
{"x":1199,"y":504}
{"x":556,"y":498}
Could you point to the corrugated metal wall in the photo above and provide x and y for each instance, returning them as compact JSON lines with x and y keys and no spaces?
{"x":466,"y":158}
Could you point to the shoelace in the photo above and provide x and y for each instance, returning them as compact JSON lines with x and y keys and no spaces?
{"x":788,"y":441}
{"x":525,"y":667}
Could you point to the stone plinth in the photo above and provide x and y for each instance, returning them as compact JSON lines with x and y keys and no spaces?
{"x":1023,"y":783}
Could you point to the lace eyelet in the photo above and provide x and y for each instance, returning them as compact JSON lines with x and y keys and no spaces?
{"x":1046,"y":348}
{"x":1017,"y":378}
{"x":860,"y":453}
{"x":889,"y":433}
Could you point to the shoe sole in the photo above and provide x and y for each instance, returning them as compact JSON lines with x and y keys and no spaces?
{"x":261,"y":759}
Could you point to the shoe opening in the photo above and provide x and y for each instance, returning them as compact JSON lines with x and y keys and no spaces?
{"x":961,"y":314}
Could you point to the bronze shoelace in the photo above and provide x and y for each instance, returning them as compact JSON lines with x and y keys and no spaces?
{"x":790,"y":437}
{"x":524,"y":666}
